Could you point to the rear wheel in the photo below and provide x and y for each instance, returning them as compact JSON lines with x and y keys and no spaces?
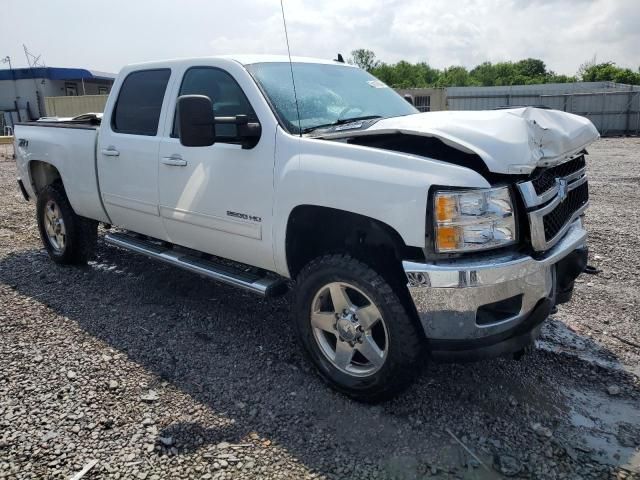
{"x":68,"y":238}
{"x":355,"y":328}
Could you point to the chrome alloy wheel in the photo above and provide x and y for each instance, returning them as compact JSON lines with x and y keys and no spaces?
{"x":349,"y":329}
{"x":54,"y":226}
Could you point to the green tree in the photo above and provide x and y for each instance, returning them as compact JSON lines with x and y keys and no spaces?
{"x":527,"y":71}
{"x":428,"y":74}
{"x":384,"y":72}
{"x":531,"y":67}
{"x":406,"y":75}
{"x":363,"y":58}
{"x":484,"y":74}
{"x":560,"y":78}
{"x":454,"y":77}
{"x":608,"y":72}
{"x":505,"y":73}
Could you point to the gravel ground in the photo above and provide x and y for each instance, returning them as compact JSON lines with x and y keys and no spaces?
{"x":155,"y":373}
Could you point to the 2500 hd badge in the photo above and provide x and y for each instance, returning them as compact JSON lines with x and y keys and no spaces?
{"x":244,"y":216}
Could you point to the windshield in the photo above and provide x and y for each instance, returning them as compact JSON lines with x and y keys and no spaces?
{"x":327,"y":94}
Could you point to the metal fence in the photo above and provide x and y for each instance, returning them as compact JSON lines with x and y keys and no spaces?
{"x":613,"y":108}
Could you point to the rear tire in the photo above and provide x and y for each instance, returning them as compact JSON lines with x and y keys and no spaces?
{"x":68,"y":238}
{"x":370,"y":350}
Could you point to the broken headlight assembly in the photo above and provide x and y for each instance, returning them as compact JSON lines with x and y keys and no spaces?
{"x":472,"y":220}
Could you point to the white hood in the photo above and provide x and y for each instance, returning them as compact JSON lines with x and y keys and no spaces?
{"x":511,"y":141}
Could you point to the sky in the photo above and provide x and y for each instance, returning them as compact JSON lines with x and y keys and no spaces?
{"x":108,"y":35}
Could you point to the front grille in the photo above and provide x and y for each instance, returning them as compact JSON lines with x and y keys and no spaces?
{"x":562,"y":214}
{"x":546,"y":178}
{"x":554,"y":197}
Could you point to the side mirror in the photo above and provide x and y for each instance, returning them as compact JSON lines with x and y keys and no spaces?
{"x":409,"y":98}
{"x":249,"y":132}
{"x":196,"y":121}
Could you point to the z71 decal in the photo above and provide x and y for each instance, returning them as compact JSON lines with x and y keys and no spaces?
{"x":244,"y":216}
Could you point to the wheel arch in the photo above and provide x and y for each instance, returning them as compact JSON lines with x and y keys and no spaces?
{"x":314,"y":230}
{"x":42,"y":174}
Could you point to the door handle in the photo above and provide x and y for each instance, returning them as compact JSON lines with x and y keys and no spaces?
{"x":110,"y":152}
{"x":175,"y":161}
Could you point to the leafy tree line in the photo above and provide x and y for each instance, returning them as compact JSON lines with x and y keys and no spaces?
{"x":523,"y":72}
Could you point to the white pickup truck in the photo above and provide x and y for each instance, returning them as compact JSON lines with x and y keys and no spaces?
{"x":405,"y":235}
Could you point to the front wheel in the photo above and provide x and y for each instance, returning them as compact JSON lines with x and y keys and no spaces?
{"x":356,"y":329}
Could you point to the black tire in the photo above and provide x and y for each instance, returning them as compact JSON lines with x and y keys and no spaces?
{"x":405,"y":342}
{"x":81,"y":233}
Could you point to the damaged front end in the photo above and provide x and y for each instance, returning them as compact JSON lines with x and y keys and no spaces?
{"x":541,"y":153}
{"x":508,"y":141}
{"x":485,"y":303}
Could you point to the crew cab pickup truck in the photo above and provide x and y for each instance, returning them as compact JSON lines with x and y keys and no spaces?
{"x":404,"y":235}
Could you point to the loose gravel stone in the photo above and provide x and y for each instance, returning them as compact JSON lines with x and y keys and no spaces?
{"x":166,"y":441}
{"x":613,"y":390}
{"x":150,"y":396}
{"x":508,"y":465}
{"x":541,"y":430}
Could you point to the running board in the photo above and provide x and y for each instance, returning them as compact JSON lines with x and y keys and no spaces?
{"x":247,"y":278}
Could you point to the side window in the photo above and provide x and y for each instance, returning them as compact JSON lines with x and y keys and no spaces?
{"x":137,"y":110}
{"x":225,"y":93}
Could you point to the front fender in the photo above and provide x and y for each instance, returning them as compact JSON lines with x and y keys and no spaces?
{"x":388,"y":186}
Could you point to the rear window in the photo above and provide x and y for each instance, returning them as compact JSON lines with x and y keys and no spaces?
{"x":139,"y":103}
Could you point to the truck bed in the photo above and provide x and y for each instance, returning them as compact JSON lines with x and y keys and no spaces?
{"x":70,"y":147}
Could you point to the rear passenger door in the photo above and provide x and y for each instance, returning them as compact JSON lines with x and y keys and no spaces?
{"x":218,"y":199}
{"x":128,"y":152}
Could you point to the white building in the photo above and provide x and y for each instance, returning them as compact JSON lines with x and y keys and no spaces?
{"x":23,"y":90}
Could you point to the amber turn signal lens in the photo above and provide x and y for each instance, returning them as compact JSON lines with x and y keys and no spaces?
{"x":445,"y":208}
{"x":448,"y":238}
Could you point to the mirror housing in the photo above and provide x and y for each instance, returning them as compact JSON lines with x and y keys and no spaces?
{"x":409,"y":98}
{"x":249,"y":132}
{"x":196,"y":121}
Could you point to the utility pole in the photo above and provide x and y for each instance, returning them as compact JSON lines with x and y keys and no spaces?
{"x":35,"y":62}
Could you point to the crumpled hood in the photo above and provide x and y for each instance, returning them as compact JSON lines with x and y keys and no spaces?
{"x":514,"y":141}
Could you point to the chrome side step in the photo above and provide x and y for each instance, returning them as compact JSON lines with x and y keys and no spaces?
{"x":232,"y":273}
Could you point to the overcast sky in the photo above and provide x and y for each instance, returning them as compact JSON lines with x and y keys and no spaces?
{"x":107,"y":35}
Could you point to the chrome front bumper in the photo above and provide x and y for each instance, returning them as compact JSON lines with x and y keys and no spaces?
{"x":449,"y":294}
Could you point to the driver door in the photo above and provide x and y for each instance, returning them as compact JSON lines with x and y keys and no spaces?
{"x":218,"y":199}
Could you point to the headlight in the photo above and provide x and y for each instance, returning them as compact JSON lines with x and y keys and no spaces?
{"x":469,"y":220}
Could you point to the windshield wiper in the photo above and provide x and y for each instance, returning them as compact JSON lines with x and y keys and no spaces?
{"x":341,"y":121}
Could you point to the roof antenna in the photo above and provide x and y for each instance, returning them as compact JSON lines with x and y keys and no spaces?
{"x":295,"y":95}
{"x":339,"y":59}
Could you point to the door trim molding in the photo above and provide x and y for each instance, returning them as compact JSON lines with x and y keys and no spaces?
{"x":131,"y":204}
{"x":236,"y":227}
